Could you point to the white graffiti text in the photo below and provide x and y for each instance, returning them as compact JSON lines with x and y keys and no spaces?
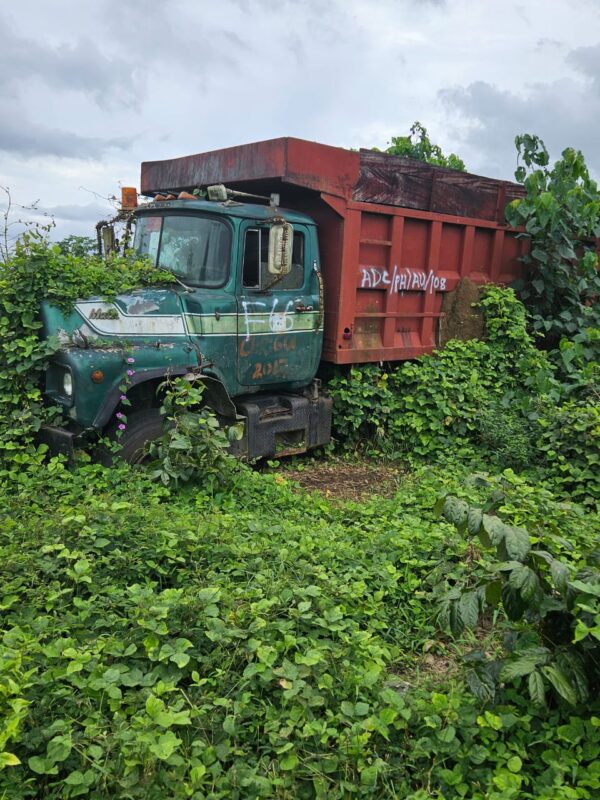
{"x":401,"y":280}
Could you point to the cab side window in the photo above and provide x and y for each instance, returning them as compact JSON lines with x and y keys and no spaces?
{"x":255,"y":272}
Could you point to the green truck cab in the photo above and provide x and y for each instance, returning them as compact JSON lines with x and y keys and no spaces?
{"x":244,"y":315}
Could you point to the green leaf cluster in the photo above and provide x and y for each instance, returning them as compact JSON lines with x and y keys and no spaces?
{"x":194,"y":445}
{"x":418,"y":145}
{"x":500,"y":401}
{"x":551,"y":601}
{"x":36,"y":271}
{"x":437,"y":403}
{"x":560,"y":215}
{"x":260,"y":642}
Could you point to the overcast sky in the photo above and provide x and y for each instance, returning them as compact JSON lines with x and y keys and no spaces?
{"x":88,"y":90}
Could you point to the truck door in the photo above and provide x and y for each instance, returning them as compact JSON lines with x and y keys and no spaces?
{"x":279,"y":321}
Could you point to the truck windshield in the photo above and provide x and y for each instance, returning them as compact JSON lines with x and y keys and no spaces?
{"x":196,"y":249}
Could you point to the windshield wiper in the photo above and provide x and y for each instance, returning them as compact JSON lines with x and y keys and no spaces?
{"x":181,"y":283}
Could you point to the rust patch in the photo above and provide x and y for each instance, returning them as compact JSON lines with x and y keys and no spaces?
{"x":461,"y":320}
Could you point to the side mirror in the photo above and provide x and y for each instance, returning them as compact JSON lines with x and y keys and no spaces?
{"x":281,"y":240}
{"x":109,"y":242}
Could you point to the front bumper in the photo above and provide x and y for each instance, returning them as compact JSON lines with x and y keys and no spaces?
{"x":59,"y":440}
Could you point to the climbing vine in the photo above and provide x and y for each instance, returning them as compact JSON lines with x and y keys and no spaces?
{"x":37,"y":270}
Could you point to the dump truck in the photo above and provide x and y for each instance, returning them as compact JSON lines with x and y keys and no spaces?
{"x":286,"y":255}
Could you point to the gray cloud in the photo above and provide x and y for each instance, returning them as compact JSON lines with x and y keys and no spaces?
{"x":78,"y":66}
{"x":545,"y":42}
{"x":587,"y":61}
{"x":26,"y":139}
{"x":563,"y":113}
{"x":181,"y":76}
{"x":186,"y":39}
{"x":73,"y":213}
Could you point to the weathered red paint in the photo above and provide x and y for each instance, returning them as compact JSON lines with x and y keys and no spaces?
{"x":394,"y":234}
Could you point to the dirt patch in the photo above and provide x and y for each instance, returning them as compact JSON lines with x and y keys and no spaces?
{"x":345,"y":481}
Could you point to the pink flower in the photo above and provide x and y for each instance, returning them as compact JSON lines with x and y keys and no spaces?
{"x":123,"y":397}
{"x":130,"y":372}
{"x":119,"y":415}
{"x":122,"y":427}
{"x":131,"y":360}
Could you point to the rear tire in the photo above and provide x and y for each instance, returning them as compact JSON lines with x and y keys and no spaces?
{"x":143,"y":426}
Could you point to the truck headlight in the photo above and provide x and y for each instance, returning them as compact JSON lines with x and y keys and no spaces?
{"x":67,"y":386}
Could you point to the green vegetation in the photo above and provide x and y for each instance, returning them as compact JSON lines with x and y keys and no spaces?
{"x":37,"y":271}
{"x":496,"y":402}
{"x":418,"y":145}
{"x":195,"y":629}
{"x":561,"y":216}
{"x":258,"y":642}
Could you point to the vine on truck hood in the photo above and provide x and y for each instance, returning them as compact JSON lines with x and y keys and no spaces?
{"x":36,"y":271}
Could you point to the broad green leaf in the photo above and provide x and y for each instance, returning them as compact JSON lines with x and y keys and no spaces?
{"x":560,"y":575}
{"x":165,"y":746}
{"x":42,"y":766}
{"x":181,"y":659}
{"x":493,"y":592}
{"x":289,"y":762}
{"x":447,"y":734}
{"x":361,"y":709}
{"x":347,"y":708}
{"x":517,"y":543}
{"x":368,"y":776}
{"x":518,"y":667}
{"x":524,"y":580}
{"x":495,"y":529}
{"x":59,"y":748}
{"x":468,"y":607}
{"x":512,"y":602}
{"x":537,"y":692}
{"x":8,"y":760}
{"x":481,"y":684}
{"x":229,"y":725}
{"x":561,"y":683}
{"x":455,"y":511}
{"x":474,"y":520}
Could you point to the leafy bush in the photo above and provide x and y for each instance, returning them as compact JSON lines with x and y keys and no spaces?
{"x":254,"y":643}
{"x":434,"y":405}
{"x":36,"y":271}
{"x":554,"y":605}
{"x":577,"y":360}
{"x":508,"y":434}
{"x":194,"y":446}
{"x":561,"y":216}
{"x":418,"y":145}
{"x":570,"y":442}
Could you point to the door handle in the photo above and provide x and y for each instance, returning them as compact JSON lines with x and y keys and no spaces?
{"x":302,"y":309}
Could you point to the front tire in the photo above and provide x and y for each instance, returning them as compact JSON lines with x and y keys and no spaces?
{"x":143,"y":426}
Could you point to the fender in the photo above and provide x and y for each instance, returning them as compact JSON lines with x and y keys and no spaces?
{"x":113,"y":398}
{"x":216,"y":394}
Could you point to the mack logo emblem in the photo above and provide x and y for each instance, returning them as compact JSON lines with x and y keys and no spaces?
{"x":101,"y":313}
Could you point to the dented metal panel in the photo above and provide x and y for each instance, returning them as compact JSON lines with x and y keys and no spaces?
{"x":408,"y":183}
{"x":294,"y":161}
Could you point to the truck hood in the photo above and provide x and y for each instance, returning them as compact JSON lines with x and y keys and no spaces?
{"x":142,"y":314}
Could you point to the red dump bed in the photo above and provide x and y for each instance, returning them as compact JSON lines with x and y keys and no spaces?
{"x":395,"y":234}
